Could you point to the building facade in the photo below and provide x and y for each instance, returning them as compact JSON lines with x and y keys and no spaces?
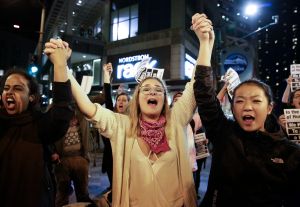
{"x":126,"y":31}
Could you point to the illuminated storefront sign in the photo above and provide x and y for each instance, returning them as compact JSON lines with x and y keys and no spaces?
{"x":236,"y":61}
{"x":126,"y":65}
{"x":239,"y":59}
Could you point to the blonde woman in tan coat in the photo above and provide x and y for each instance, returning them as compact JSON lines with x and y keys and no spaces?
{"x":151,"y":165}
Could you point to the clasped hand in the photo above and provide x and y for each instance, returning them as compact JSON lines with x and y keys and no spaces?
{"x":203,"y":28}
{"x":58,"y":51}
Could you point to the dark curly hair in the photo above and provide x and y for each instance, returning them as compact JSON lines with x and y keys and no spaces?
{"x":32,"y":85}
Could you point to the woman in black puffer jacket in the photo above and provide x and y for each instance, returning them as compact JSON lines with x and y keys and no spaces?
{"x":253,"y":163}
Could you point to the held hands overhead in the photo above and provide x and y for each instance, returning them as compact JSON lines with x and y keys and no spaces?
{"x":58,"y":51}
{"x":203,"y":28}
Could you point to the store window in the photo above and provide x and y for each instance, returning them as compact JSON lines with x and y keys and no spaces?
{"x":98,"y":29}
{"x":124,"y":23}
{"x":97,"y":72}
{"x":189,"y":65}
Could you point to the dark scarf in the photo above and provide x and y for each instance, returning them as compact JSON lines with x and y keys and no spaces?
{"x":154,"y":135}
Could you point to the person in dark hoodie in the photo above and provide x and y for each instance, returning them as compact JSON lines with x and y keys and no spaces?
{"x":253,"y":163}
{"x":25,"y":132}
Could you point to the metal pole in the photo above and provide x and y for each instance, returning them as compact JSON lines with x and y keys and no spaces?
{"x":41,"y":33}
{"x":275,"y":18}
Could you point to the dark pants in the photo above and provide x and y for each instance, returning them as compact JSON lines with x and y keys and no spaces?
{"x":200,"y":163}
{"x":107,"y":162}
{"x":74,"y":168}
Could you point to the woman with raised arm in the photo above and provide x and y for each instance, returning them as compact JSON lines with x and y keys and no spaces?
{"x":25,"y":133}
{"x":253,"y":163}
{"x":151,"y":165}
{"x":290,"y":100}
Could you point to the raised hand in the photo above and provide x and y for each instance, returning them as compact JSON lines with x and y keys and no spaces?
{"x":203,"y":28}
{"x":289,"y":80}
{"x":55,"y":158}
{"x":282,"y":121}
{"x":54,"y":44}
{"x":107,"y":70}
{"x":58,"y":52}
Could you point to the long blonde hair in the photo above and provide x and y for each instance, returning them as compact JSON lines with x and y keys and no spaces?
{"x":135,"y":111}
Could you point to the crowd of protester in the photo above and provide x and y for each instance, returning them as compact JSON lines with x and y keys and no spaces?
{"x":150,"y":154}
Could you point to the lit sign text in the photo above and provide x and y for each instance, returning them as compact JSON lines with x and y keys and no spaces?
{"x":127,"y":66}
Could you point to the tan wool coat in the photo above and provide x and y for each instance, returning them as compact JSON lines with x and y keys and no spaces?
{"x":114,"y":126}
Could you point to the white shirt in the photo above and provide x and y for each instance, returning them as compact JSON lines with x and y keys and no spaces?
{"x":154,"y":183}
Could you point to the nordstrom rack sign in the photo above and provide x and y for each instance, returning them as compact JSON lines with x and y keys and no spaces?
{"x":127,"y":66}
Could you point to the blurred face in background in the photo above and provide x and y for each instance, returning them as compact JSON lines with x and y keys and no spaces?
{"x":296,"y":100}
{"x":122,"y":103}
{"x":15,"y":95}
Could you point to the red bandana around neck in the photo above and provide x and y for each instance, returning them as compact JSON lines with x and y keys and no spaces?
{"x":154,"y":134}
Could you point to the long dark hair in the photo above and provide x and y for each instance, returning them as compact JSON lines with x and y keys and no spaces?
{"x":291,"y":97}
{"x":32,"y":85}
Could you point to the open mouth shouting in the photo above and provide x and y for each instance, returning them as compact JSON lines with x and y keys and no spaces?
{"x":248,"y":119}
{"x":152,"y":102}
{"x":10,"y":103}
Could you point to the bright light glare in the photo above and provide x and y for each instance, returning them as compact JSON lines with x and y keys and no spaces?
{"x":152,"y":63}
{"x":16,"y":26}
{"x":79,"y":3}
{"x":251,"y":9}
{"x":34,"y":69}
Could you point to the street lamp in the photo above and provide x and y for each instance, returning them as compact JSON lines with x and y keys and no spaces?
{"x":251,"y":9}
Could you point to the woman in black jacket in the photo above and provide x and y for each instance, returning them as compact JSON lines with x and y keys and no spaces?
{"x":25,"y":132}
{"x":253,"y":163}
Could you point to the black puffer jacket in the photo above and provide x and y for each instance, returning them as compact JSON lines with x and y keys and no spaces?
{"x":248,"y":169}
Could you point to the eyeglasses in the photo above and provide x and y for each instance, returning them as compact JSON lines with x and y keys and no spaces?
{"x":146,"y":90}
